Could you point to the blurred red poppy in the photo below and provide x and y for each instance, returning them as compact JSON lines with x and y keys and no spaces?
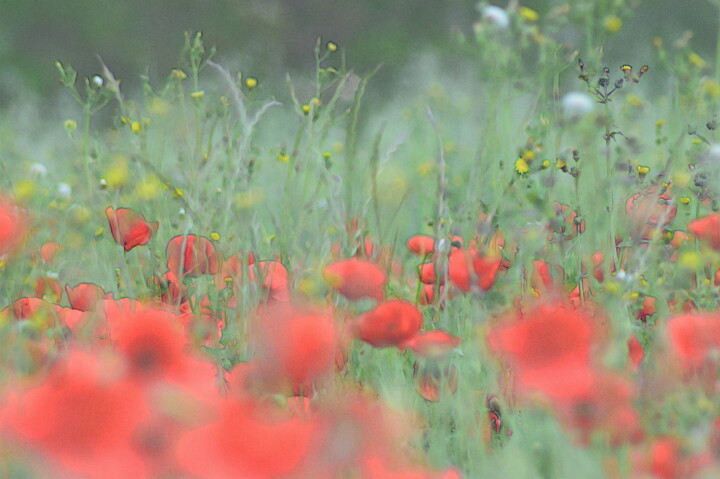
{"x":13,"y":227}
{"x":294,"y":346}
{"x":246,"y":440}
{"x":48,"y":251}
{"x":648,"y":308}
{"x":83,"y":416}
{"x":606,"y":406}
{"x":483,"y":272}
{"x":707,"y":229}
{"x":151,"y":340}
{"x":693,"y":337}
{"x":421,"y":245}
{"x":191,"y":255}
{"x":129,"y":228}
{"x":356,"y":279}
{"x":433,"y":344}
{"x":231,"y":270}
{"x":549,"y":349}
{"x":389,"y":324}
{"x":635,"y":352}
{"x":275,"y":279}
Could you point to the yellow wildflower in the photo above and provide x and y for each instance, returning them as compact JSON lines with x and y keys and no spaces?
{"x":696,"y":60}
{"x":528,"y":14}
{"x":613,"y":23}
{"x":521,"y":166}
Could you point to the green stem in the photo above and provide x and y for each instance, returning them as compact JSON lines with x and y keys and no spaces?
{"x":86,"y":149}
{"x":608,"y":162}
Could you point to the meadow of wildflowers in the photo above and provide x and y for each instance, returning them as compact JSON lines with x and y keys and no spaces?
{"x":511,"y":272}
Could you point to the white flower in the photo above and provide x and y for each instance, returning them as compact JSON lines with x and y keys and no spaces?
{"x":38,"y":169}
{"x":98,"y":81}
{"x":496,"y":16}
{"x":576,"y":104}
{"x":713,"y":152}
{"x":64,"y":189}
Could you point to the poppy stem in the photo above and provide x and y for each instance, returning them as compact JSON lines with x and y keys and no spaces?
{"x":611,"y":192}
{"x":86,"y":149}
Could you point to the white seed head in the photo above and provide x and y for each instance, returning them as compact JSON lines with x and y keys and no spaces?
{"x":98,"y":81}
{"x":64,"y":189}
{"x":496,"y":15}
{"x":713,"y":152}
{"x":38,"y":169}
{"x":576,"y":104}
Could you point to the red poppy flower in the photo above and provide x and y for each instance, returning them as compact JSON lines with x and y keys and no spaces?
{"x":421,"y":245}
{"x":85,"y":296}
{"x":129,"y":228}
{"x":389,"y":324}
{"x":275,"y":279}
{"x":427,"y":274}
{"x":650,"y":209}
{"x":549,"y":350}
{"x":82,"y":417}
{"x":707,"y":229}
{"x":191,"y":255}
{"x":356,"y":279}
{"x":13,"y":227}
{"x":483,"y":272}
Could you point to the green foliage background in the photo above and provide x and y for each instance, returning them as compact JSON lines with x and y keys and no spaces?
{"x":271,"y":37}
